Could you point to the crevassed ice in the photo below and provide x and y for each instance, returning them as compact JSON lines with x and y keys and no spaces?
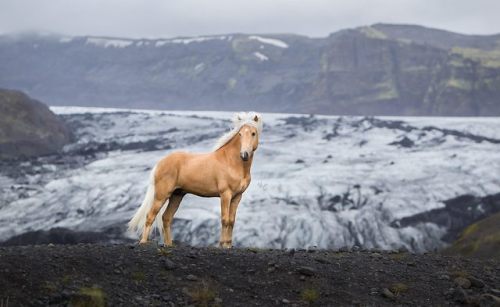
{"x":289,"y":203}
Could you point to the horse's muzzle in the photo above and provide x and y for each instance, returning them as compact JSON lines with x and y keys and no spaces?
{"x":244,"y":156}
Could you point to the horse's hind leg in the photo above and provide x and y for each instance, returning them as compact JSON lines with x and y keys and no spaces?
{"x":150,"y":218}
{"x":163,"y":192}
{"x":168,"y":216}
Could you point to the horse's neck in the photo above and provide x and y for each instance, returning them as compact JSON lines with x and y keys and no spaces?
{"x":231,"y":153}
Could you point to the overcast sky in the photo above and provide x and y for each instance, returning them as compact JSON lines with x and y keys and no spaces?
{"x":169,"y":18}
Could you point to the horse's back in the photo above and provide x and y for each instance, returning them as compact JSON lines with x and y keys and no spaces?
{"x":194,"y":173}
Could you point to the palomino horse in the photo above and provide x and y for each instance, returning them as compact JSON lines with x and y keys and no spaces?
{"x":223,"y":173}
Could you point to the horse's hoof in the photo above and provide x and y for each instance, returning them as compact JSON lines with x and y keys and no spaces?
{"x":226,"y":245}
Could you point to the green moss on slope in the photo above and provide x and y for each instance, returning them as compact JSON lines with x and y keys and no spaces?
{"x":488,"y":58}
{"x":481,"y":239}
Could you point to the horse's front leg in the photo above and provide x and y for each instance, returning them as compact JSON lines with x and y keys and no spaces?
{"x":225,"y":201}
{"x":232,"y":217}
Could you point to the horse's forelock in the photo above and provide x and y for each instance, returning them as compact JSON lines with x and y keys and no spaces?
{"x":247,"y":118}
{"x":239,"y":120}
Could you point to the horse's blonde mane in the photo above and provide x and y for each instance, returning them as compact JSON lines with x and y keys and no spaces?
{"x":239,"y":120}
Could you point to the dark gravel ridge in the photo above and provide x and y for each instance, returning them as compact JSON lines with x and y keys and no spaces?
{"x":150,"y":275}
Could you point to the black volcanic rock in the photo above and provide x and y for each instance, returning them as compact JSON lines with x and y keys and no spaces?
{"x":56,"y":236}
{"x":377,"y":70}
{"x":130,"y":275}
{"x":28,"y":128}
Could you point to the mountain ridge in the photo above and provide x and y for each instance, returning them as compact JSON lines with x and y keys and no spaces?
{"x":373,"y":70}
{"x":374,"y":25}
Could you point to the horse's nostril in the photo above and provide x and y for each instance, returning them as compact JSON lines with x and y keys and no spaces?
{"x":244,"y":156}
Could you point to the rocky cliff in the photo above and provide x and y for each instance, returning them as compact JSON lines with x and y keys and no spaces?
{"x":28,"y":127}
{"x":376,"y":70}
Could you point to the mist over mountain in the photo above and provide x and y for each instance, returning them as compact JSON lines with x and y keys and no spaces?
{"x":377,"y":70}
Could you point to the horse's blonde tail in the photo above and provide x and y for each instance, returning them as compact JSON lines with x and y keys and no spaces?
{"x":138,"y":222}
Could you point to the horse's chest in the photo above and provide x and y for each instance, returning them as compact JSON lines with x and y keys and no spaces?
{"x":239,"y":185}
{"x":245,"y":182}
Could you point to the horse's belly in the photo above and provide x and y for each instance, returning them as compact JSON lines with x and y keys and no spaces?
{"x":199,"y":183}
{"x":200,"y":189}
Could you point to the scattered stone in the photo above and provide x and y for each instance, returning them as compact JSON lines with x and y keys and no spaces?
{"x":307,"y":271}
{"x":495,"y":291}
{"x":462,"y":282}
{"x":250,"y":271}
{"x":191,"y":277}
{"x":302,"y":277}
{"x":459,"y":295}
{"x":488,"y":300}
{"x":285,"y":301}
{"x":476,"y":283}
{"x":322,"y":260}
{"x":387,"y":293}
{"x":169,"y":264}
{"x":291,"y":252}
{"x":443,"y":277}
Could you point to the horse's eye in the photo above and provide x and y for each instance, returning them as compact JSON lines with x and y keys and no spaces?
{"x":239,"y":133}
{"x":253,"y":133}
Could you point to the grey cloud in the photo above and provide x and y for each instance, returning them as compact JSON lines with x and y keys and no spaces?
{"x":168,"y":18}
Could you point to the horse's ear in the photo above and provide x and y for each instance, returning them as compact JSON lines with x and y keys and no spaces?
{"x":256,"y":118}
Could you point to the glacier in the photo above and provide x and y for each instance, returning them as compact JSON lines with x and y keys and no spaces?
{"x":317,"y":181}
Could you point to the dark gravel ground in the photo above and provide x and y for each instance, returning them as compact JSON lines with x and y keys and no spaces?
{"x":132,"y":275}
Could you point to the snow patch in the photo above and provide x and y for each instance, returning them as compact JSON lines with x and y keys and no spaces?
{"x":269,"y":41}
{"x":199,"y":67}
{"x":261,"y":56}
{"x":190,"y":40}
{"x":104,"y":42}
{"x":66,"y":39}
{"x":160,"y":43}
